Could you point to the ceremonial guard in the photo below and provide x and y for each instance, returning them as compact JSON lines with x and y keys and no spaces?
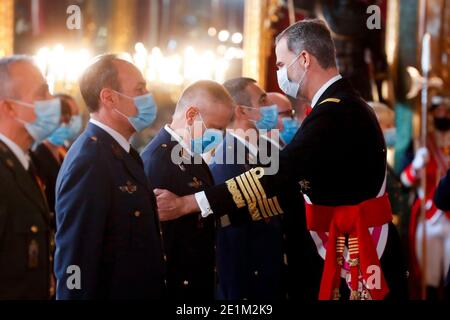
{"x":435,"y":159}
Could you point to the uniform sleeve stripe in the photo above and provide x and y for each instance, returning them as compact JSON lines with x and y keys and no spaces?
{"x":253,"y":191}
{"x":277,"y":205}
{"x":255,"y":177}
{"x":272,"y":205}
{"x":251,"y":204}
{"x":261,"y":197}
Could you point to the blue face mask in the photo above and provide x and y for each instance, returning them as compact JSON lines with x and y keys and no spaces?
{"x":210,"y":139}
{"x":390,"y":136}
{"x":48,"y":116}
{"x":66,"y":133}
{"x":147,"y":110}
{"x":290,"y":129}
{"x":268,"y":119}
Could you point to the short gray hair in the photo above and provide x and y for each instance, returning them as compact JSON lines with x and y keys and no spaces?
{"x":200,"y":91}
{"x":313,"y":36}
{"x":7,"y":88}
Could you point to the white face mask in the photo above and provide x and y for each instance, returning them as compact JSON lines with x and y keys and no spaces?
{"x":287,"y":86}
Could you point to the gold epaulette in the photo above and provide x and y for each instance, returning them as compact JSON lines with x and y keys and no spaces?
{"x":335,"y":100}
{"x":248,"y":184}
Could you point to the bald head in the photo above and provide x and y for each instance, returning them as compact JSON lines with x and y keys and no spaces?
{"x":283,"y":103}
{"x":204,"y":95}
{"x":204,"y":100}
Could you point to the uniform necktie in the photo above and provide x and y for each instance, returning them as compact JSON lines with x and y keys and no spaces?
{"x":136,"y":156}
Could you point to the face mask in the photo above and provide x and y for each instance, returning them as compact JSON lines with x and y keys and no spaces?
{"x":210,"y":139}
{"x":290,"y":129}
{"x":147,"y":110}
{"x":287,"y":86}
{"x":442,"y":123}
{"x":48,"y":116}
{"x":390,"y":136}
{"x":66,"y":133}
{"x":268,"y":117}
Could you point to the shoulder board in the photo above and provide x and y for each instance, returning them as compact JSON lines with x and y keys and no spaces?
{"x":335,"y":100}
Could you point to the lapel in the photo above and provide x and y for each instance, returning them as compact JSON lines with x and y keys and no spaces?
{"x":129,"y":163}
{"x":25,"y":182}
{"x":198,"y":172}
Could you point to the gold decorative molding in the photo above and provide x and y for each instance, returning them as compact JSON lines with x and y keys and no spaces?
{"x":258,"y":36}
{"x":391,"y":42}
{"x":122,"y":30}
{"x":6,"y":27}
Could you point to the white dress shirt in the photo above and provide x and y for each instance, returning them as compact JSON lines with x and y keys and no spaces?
{"x":124,"y":143}
{"x":323,"y":88}
{"x":21,"y":155}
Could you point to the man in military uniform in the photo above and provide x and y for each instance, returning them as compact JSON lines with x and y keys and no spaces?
{"x":26,"y":116}
{"x":338,"y":157}
{"x":49,"y":155}
{"x":249,"y":257}
{"x":189,"y":240}
{"x":108,"y":240}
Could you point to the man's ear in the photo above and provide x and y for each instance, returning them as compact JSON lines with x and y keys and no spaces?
{"x":108,"y":98}
{"x":305,"y":59}
{"x":7,"y":109}
{"x":240,"y":111}
{"x":190,"y":114}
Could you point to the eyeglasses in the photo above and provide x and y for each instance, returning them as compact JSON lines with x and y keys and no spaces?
{"x":287,"y":114}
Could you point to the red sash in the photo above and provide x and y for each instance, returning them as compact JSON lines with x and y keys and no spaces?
{"x":353,"y":221}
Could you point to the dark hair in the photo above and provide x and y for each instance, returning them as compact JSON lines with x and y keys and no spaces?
{"x":102,"y":73}
{"x":312,"y":36}
{"x":237,"y":89}
{"x":65,"y":99}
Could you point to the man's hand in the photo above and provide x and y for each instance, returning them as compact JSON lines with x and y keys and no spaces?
{"x":171,"y":206}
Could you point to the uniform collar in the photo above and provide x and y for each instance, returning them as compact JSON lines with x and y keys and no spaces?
{"x":322,"y":89}
{"x":22,"y":156}
{"x":124,"y":143}
{"x":178,"y":139}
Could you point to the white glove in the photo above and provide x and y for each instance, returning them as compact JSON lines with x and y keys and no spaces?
{"x":421,"y":158}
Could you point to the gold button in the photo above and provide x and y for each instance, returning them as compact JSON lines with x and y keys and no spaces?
{"x":185,"y":282}
{"x":34,"y":229}
{"x":164,"y":145}
{"x":137,"y":214}
{"x":165,"y":258}
{"x":256,"y":273}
